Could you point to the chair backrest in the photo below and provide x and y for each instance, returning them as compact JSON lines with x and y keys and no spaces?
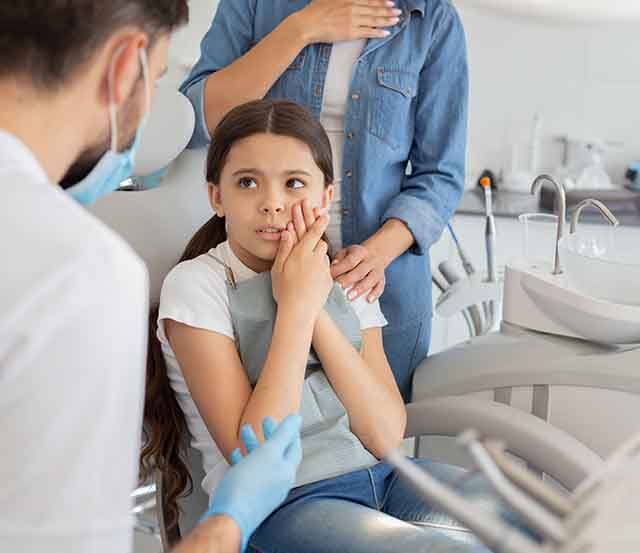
{"x":157,"y":224}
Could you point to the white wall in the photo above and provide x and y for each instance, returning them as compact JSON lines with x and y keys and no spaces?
{"x":583,"y":80}
{"x":185,"y":45}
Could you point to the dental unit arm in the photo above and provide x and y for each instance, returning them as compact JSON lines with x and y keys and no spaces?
{"x":599,"y":517}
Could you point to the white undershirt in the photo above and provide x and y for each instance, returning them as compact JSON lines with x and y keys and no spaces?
{"x":195,"y":293}
{"x":334,"y":107}
{"x":73,"y":310}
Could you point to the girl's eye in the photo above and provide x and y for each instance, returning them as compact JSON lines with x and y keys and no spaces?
{"x":247,"y":182}
{"x":295,"y":183}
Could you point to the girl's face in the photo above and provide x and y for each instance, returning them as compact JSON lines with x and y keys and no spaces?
{"x":264,"y":176}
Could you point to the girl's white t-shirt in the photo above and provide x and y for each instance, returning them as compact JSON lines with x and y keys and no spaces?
{"x":195,"y":293}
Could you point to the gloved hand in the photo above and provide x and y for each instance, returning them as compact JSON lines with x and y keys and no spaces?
{"x":258,"y":483}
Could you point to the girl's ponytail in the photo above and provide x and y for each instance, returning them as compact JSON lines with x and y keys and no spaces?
{"x":165,"y":428}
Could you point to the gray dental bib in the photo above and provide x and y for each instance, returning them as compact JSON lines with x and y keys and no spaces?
{"x":329,"y":447}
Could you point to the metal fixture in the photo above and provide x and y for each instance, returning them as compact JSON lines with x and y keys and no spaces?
{"x":535,"y":188}
{"x":589,"y":202}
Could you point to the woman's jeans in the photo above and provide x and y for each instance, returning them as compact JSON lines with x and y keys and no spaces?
{"x":406,"y":346}
{"x":373,"y":511}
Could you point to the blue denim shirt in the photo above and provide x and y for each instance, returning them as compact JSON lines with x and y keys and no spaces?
{"x":405,"y":125}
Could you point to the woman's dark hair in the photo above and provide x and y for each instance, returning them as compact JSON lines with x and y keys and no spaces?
{"x":47,"y":41}
{"x":165,"y":427}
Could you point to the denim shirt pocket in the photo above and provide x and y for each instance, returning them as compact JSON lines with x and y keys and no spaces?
{"x":392,"y":96}
{"x":291,"y":84}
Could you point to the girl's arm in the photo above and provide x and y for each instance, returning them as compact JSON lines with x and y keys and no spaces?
{"x":236,"y":72}
{"x":364,"y":383}
{"x":218,"y":382}
{"x":211,"y":364}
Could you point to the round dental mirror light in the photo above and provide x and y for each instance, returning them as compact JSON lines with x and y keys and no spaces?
{"x":569,"y":11}
{"x":167,"y":132}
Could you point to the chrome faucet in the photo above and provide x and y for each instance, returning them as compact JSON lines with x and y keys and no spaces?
{"x":606,"y":213}
{"x":535,"y":187}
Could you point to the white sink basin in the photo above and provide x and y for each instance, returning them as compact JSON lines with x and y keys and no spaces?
{"x":586,"y":317}
{"x":537,"y":300}
{"x":604,"y":266}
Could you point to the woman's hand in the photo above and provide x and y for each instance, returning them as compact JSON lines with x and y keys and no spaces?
{"x":301,"y":275}
{"x":360,"y":268}
{"x":339,"y":20}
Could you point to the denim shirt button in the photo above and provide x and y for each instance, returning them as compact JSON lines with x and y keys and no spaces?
{"x":350,"y":135}
{"x":345,"y":212}
{"x":355,"y":96}
{"x":349,"y":174}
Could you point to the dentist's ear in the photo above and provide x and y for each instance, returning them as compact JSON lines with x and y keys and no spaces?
{"x":123,"y":68}
{"x":215,"y":199}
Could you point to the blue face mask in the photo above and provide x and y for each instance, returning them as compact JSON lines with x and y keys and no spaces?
{"x":113,"y":167}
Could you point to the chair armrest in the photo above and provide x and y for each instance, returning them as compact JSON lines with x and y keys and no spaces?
{"x":503,"y":360}
{"x":547,"y":448}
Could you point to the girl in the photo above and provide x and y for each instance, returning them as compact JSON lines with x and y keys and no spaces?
{"x":388,"y":80}
{"x":251,"y":324}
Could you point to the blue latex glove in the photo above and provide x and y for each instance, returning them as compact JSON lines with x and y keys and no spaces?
{"x":257,"y":484}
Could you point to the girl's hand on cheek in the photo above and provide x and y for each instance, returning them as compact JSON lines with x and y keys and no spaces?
{"x":301,"y":275}
{"x":361,"y":269}
{"x":303,"y":217}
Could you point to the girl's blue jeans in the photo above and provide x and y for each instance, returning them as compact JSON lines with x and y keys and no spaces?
{"x":373,"y":511}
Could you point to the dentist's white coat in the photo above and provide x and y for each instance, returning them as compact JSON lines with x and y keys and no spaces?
{"x":73,"y":312}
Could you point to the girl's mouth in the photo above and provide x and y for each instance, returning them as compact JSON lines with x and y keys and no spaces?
{"x":269,"y":233}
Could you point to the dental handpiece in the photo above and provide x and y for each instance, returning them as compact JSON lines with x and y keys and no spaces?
{"x":490,"y":244}
{"x":464,"y":258}
{"x":489,"y":230}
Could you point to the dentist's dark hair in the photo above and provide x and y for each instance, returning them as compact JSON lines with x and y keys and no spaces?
{"x":47,"y":42}
{"x":165,"y":427}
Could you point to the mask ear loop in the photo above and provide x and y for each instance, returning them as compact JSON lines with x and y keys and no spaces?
{"x":147,"y":80}
{"x":113,"y":121}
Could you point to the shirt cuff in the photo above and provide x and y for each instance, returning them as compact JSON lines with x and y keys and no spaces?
{"x":421,"y":219}
{"x":195,"y":94}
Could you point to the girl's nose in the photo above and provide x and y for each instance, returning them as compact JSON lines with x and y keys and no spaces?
{"x":272,"y":208}
{"x":272,"y":204}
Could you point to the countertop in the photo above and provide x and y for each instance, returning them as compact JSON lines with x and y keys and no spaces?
{"x":512,"y":204}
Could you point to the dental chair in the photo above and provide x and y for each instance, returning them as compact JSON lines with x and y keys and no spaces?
{"x":157,"y":223}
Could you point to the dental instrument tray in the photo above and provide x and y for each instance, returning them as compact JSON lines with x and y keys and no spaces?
{"x":620,"y":201}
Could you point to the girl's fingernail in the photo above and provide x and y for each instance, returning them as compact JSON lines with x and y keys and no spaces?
{"x":334,"y":262}
{"x":352,"y":294}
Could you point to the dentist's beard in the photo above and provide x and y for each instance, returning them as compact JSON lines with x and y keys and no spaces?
{"x":89,"y":158}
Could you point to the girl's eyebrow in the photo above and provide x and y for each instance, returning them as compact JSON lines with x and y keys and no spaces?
{"x":253,"y":171}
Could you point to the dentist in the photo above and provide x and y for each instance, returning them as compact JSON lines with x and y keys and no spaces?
{"x":76,"y":81}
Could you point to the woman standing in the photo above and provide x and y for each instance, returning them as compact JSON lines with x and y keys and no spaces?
{"x":389,"y":82}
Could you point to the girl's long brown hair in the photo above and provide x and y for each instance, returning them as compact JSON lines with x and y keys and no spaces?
{"x":165,"y":427}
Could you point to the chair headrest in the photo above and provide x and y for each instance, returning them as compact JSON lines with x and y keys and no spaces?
{"x":167,"y":132}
